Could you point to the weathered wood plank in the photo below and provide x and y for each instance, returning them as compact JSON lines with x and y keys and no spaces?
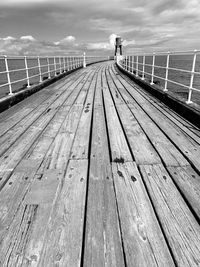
{"x":188,"y":147}
{"x":144,"y":243}
{"x":142,"y":150}
{"x":167,"y":151}
{"x":103,"y":246}
{"x":15,"y":114}
{"x":63,"y":245}
{"x":59,"y":153}
{"x":180,"y":227}
{"x":119,"y":147}
{"x":188,"y":181}
{"x":182,"y":123}
{"x":13,"y":155}
{"x":29,"y":224}
{"x":15,"y":241}
{"x":81,"y":142}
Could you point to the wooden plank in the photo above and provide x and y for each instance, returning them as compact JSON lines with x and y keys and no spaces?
{"x":98,"y":94}
{"x":119,"y":147}
{"x":102,"y":245}
{"x":15,"y":241}
{"x":188,"y":182}
{"x":42,"y":194}
{"x":14,"y":192}
{"x":165,"y":148}
{"x":15,"y":114}
{"x":59,"y":153}
{"x":18,"y":150}
{"x":142,"y":150}
{"x":180,"y":227}
{"x":43,"y":190}
{"x":56,"y":100}
{"x":80,"y":146}
{"x":188,"y":147}
{"x":185,"y":125}
{"x":144,"y":243}
{"x":63,"y":245}
{"x":82,"y":96}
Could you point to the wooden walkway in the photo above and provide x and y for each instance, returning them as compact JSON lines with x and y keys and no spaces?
{"x":96,"y":172}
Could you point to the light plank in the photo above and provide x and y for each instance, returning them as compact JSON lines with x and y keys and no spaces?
{"x":188,"y":181}
{"x":63,"y":245}
{"x":102,"y":245}
{"x":144,"y":243}
{"x":119,"y":147}
{"x":180,"y":227}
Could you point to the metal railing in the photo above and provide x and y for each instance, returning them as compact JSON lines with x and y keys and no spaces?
{"x":175,"y":71}
{"x":20,"y":72}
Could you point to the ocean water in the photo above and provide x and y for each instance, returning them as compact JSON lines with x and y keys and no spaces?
{"x":18,"y":63}
{"x":176,"y":61}
{"x":179,"y":62}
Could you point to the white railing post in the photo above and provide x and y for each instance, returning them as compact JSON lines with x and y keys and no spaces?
{"x":143,"y":67}
{"x":152,"y":73}
{"x":126,"y":68}
{"x":84,"y":60}
{"x":48,"y":67}
{"x":55,"y":73}
{"x":72,"y":58}
{"x":64,"y":64}
{"x":60,"y":65}
{"x":39,"y":68}
{"x":27,"y":74}
{"x":167,"y":72}
{"x":8,"y":75}
{"x":137,"y":66}
{"x":192,"y":78}
{"x":69,"y":62}
{"x":132,"y":63}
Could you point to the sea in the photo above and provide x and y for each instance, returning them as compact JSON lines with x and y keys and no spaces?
{"x":183,"y":62}
{"x":176,"y":61}
{"x":17,"y":66}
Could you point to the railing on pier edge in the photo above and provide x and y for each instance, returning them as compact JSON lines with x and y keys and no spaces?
{"x":147,"y":68}
{"x":35,"y":69}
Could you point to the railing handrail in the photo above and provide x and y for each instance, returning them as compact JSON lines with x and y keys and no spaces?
{"x":189,"y":52}
{"x":52,"y":64}
{"x":135,"y":70}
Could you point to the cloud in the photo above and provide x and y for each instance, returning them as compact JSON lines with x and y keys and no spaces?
{"x":148,"y":24}
{"x":28,"y":38}
{"x":67,"y":40}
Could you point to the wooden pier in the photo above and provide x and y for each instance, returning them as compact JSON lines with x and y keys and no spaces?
{"x":94,"y":171}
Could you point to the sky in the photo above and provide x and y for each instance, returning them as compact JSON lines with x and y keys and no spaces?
{"x":61,"y":27}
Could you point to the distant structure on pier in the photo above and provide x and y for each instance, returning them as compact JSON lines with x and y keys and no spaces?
{"x":118,"y":44}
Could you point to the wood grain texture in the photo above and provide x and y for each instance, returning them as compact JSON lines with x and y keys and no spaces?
{"x":63,"y":245}
{"x":144,"y":243}
{"x":188,"y":181}
{"x":102,"y":245}
{"x":180,"y":227}
{"x":119,"y":147}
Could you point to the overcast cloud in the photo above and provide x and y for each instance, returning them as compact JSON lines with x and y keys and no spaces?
{"x":66,"y":26}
